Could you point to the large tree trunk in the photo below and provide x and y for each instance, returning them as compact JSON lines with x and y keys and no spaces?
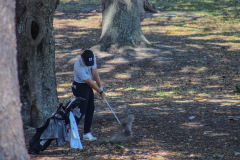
{"x":121,"y":24}
{"x":12,"y":144}
{"x":36,"y":59}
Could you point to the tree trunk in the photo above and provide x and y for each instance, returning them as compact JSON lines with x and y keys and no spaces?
{"x":12,"y":144}
{"x":121,"y":24}
{"x":141,"y":6}
{"x":148,"y":7}
{"x":36,"y":59}
{"x":145,"y":5}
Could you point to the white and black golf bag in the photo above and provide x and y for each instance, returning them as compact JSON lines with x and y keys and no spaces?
{"x":55,"y":127}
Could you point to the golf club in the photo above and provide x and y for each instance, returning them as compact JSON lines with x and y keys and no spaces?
{"x":113,"y":111}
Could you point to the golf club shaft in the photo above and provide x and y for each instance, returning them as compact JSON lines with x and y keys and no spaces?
{"x":113,"y":111}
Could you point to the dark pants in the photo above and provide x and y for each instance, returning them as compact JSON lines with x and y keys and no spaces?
{"x":86,"y":107}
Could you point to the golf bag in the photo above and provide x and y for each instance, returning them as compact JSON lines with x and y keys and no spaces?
{"x":55,"y":127}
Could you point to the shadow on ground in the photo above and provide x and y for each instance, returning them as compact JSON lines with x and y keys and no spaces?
{"x":181,"y":92}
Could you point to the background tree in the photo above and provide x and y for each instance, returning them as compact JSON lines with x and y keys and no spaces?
{"x":145,"y":5}
{"x":236,"y":10}
{"x":36,"y":59}
{"x":121,"y":24}
{"x":12,"y":144}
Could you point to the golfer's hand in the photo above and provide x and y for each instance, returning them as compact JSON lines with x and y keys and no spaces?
{"x":103,"y":95}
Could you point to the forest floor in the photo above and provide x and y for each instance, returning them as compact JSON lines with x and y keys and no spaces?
{"x":181,"y":90}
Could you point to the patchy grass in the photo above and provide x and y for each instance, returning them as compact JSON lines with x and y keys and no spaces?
{"x":199,"y":16}
{"x":191,"y":71}
{"x":226,"y":8}
{"x":82,"y":2}
{"x":167,"y":93}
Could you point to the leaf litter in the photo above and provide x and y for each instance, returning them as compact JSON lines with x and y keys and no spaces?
{"x":181,"y":77}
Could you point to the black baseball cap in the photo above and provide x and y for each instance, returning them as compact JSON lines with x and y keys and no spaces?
{"x":88,"y":57}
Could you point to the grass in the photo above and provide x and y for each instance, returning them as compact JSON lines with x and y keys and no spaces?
{"x":224,"y":7}
{"x":172,"y":91}
{"x":218,"y":11}
{"x":82,"y":1}
{"x":76,"y":4}
{"x":130,"y":88}
{"x":177,"y":92}
{"x":207,"y":21}
{"x":167,"y":93}
{"x":216,"y":24}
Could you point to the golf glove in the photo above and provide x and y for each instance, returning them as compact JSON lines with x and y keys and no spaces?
{"x":101,"y":88}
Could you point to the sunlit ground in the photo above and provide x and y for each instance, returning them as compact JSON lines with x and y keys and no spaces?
{"x":166,"y":85}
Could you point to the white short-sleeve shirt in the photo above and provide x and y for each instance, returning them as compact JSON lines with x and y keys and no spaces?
{"x":83,"y":72}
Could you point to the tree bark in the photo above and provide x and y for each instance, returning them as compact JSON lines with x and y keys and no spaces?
{"x":36,"y":59}
{"x":145,"y":5}
{"x":141,"y":6}
{"x":121,"y":24}
{"x":12,"y":144}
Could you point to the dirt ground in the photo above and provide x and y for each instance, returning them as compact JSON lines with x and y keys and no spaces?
{"x":181,"y":91}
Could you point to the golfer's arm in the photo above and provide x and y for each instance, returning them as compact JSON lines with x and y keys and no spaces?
{"x":96,"y":77}
{"x":93,"y":85}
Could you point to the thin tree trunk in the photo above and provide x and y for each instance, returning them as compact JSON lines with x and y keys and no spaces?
{"x":36,"y":59}
{"x":12,"y":144}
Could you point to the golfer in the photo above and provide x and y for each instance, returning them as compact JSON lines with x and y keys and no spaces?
{"x":85,"y":70}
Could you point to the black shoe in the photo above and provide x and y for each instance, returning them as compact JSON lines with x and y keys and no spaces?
{"x":31,"y":151}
